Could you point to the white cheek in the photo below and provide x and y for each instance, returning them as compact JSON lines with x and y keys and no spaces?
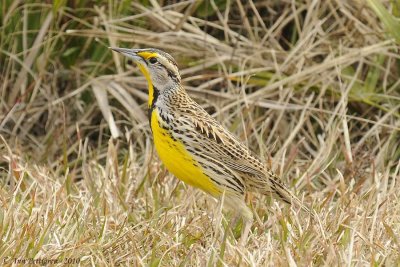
{"x":160,"y":78}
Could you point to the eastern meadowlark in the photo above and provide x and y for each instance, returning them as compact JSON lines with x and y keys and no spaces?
{"x":194,"y":146}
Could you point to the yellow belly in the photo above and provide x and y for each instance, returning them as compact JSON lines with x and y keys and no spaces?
{"x":178,"y":161}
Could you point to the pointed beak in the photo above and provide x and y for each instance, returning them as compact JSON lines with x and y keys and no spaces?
{"x":131,"y":53}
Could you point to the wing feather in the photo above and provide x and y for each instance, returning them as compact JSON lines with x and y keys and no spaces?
{"x":225,"y":147}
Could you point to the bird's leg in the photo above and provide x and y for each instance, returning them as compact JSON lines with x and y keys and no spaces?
{"x":238,"y":205}
{"x":245,"y":231}
{"x":235,"y":220}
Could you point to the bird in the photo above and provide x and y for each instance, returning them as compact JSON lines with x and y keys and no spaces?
{"x":195,"y":147}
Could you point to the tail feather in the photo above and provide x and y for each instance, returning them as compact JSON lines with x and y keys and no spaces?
{"x":285,"y":195}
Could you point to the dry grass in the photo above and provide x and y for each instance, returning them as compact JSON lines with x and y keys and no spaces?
{"x":311,"y":86}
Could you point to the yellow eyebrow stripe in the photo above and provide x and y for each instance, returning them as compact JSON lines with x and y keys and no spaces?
{"x":147,"y":55}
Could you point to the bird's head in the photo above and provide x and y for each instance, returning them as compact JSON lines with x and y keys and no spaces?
{"x":159,"y":68}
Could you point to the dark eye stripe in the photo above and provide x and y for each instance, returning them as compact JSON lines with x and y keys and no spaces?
{"x":172,"y":75}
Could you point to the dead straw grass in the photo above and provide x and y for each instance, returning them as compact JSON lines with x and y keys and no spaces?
{"x":311,"y":86}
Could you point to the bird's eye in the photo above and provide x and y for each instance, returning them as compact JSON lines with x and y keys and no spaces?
{"x":153,"y":60}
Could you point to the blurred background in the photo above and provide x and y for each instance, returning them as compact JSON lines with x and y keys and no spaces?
{"x":311,"y":86}
{"x":257,"y":63}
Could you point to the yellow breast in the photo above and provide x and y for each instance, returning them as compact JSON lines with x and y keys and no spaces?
{"x":178,"y":161}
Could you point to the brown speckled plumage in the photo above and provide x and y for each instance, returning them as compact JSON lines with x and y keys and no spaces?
{"x":202,"y":147}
